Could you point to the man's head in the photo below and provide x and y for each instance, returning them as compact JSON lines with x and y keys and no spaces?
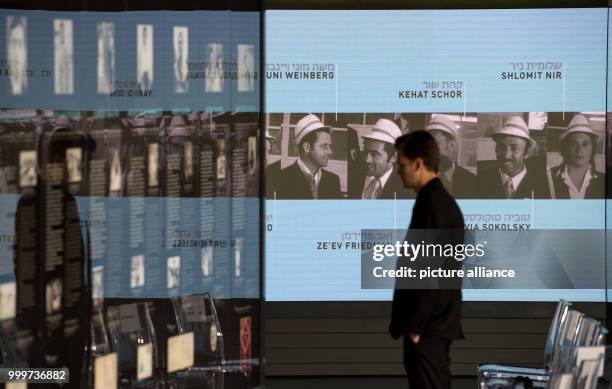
{"x":512,"y":146}
{"x":446,"y":133}
{"x":314,"y":141}
{"x":379,"y":147}
{"x":418,"y":157}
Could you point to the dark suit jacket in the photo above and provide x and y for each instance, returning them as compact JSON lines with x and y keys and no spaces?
{"x":595,"y":190}
{"x":272,"y":178}
{"x":431,"y":311}
{"x":293,"y":184}
{"x":490,"y":185}
{"x":393,"y":187}
{"x":464,"y":184}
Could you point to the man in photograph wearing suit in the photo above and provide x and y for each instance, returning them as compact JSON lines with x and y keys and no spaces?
{"x":512,"y":178}
{"x":306,"y":178}
{"x":379,"y":160}
{"x":428,"y":318}
{"x":460,"y":182}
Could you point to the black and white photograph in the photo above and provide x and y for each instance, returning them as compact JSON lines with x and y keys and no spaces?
{"x":252,"y":155}
{"x":144,"y":55}
{"x":173,"y":272}
{"x":188,"y":161}
{"x":207,"y":261}
{"x":213,"y":81}
{"x":53,"y":296}
{"x":181,"y":58}
{"x":74,"y":163}
{"x":246,"y":68}
{"x":153,"y":165}
{"x":221,"y":160}
{"x":510,"y":155}
{"x":575,"y":155}
{"x":17,"y":53}
{"x":27,"y":169}
{"x":115,"y":171}
{"x":106,"y":57}
{"x":63,"y":61}
{"x":137,"y":272}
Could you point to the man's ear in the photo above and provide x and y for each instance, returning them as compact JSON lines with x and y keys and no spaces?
{"x":306,"y":147}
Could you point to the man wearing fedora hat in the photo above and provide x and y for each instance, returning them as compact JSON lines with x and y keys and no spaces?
{"x":576,"y":177}
{"x":380,"y":158}
{"x":306,"y":178}
{"x":460,"y":182}
{"x":512,"y":178}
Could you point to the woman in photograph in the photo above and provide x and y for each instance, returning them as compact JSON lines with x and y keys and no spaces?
{"x":576,"y":176}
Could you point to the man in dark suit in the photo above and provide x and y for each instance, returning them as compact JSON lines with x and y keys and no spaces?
{"x":380,"y":157}
{"x":306,"y":178}
{"x":513,"y":178}
{"x":460,"y":182}
{"x":428,"y":319}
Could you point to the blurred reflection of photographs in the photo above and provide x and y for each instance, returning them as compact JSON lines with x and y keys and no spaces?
{"x":17,"y":53}
{"x":188,"y":160}
{"x":53,"y":296}
{"x":252,"y":154}
{"x":221,"y":168}
{"x":74,"y":158}
{"x":144,"y":62}
{"x":137,"y":273}
{"x":8,"y":308}
{"x":27,"y":168}
{"x":246,"y":68}
{"x":207,"y":261}
{"x":106,"y":57}
{"x":174,"y":272}
{"x":214,"y":68}
{"x":97,"y":282}
{"x":181,"y":57}
{"x":63,"y":57}
{"x":238,"y":258}
{"x":115,"y":172}
{"x":152,"y":165}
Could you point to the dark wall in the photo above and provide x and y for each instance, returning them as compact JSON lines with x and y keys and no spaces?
{"x":351,"y":338}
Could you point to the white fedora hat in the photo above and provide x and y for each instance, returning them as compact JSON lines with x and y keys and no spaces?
{"x":579,"y":123}
{"x":306,"y":125}
{"x":444,"y":124}
{"x":514,"y":126}
{"x":385,"y":131}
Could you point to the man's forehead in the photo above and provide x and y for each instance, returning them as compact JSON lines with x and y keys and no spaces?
{"x":373,"y":144}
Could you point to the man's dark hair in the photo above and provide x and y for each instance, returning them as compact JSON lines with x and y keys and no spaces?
{"x":311,"y":138}
{"x":420,"y":144}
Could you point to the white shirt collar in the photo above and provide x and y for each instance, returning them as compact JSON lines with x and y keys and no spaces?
{"x":573,"y":192}
{"x":307,"y":171}
{"x":516,"y":180}
{"x":383,"y":180}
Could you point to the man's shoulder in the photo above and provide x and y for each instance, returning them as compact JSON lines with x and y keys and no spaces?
{"x":329,"y":175}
